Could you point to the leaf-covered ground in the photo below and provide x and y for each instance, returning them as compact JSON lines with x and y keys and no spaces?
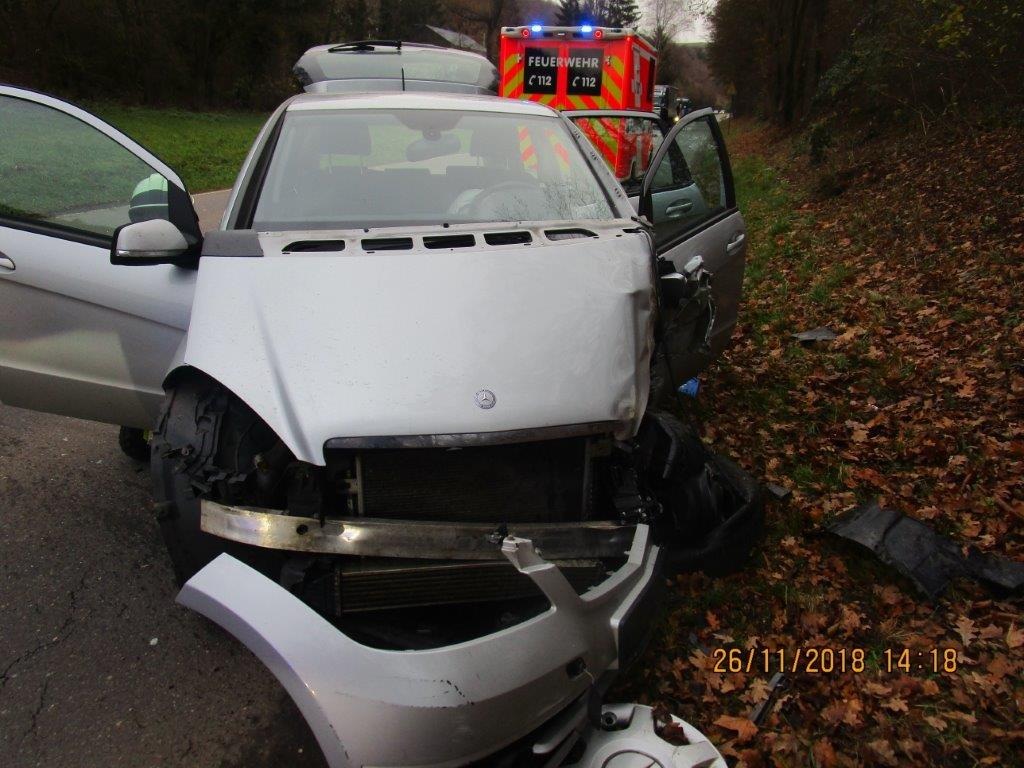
{"x":912,"y":251}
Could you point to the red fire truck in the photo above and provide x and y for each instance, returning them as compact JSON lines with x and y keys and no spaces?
{"x":587,"y":68}
{"x":578,"y":67}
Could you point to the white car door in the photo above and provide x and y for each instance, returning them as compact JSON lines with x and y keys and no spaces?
{"x":78,"y":335}
{"x":689,"y":197}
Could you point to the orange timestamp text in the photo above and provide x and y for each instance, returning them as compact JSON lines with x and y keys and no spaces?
{"x":824,"y":660}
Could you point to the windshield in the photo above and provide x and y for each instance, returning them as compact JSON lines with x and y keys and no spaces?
{"x":365,"y":168}
{"x":412,"y":64}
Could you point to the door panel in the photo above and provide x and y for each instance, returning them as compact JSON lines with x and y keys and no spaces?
{"x":689,"y":197}
{"x":79,"y":336}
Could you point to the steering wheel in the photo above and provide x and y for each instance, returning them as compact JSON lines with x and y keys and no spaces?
{"x":474,"y":206}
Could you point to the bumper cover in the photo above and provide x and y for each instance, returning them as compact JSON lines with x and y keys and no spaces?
{"x":446,"y":706}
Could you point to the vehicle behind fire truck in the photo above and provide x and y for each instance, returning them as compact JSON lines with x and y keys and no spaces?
{"x":587,"y":68}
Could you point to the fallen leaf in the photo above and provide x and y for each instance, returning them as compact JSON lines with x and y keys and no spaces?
{"x":824,"y":753}
{"x":964,"y":717}
{"x":1014,"y":637}
{"x":965,"y":628}
{"x":745,"y":729}
{"x":999,"y":667}
{"x":896,"y":704}
{"x":883,"y":751}
{"x":875,"y":689}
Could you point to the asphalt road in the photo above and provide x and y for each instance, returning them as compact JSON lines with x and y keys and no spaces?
{"x":210,"y":207}
{"x":98,"y":665}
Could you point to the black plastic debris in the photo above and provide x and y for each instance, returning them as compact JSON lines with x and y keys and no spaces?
{"x":778,"y":683}
{"x":927,"y":558}
{"x":713,"y":509}
{"x":779,"y":492}
{"x":820,"y":333}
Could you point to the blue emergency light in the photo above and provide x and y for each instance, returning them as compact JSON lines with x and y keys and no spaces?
{"x":586,"y":29}
{"x":536,"y":28}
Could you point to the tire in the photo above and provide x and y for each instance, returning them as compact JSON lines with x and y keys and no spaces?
{"x":134,"y":443}
{"x":204,"y":447}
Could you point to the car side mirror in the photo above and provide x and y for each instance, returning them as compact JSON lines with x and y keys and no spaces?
{"x":674,"y":289}
{"x":156,"y":241}
{"x":678,"y":287}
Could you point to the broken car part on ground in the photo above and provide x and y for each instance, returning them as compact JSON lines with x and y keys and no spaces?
{"x":403,"y":441}
{"x":927,"y":558}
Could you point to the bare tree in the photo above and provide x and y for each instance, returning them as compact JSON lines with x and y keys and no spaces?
{"x":488,"y":14}
{"x":665,"y":19}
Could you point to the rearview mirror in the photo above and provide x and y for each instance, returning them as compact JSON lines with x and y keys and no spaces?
{"x":156,"y":241}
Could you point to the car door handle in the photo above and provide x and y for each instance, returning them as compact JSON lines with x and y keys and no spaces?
{"x":6,"y":264}
{"x":677,"y":209}
{"x":736,"y":243}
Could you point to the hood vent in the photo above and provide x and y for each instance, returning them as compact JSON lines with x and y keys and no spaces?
{"x":449,"y":241}
{"x":314,"y":246}
{"x":507,"y":238}
{"x":568,"y":234}
{"x":387,"y":244}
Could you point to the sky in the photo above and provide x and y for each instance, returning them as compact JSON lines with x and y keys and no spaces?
{"x":698,"y":32}
{"x":694,"y":27}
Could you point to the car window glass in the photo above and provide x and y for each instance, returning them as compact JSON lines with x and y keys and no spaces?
{"x":438,"y":65}
{"x":381,"y":167}
{"x":59,"y":171}
{"x":693,"y":158}
{"x":688,"y":186}
{"x":627,"y":145}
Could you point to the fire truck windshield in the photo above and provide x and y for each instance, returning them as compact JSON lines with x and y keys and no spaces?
{"x":377,"y":167}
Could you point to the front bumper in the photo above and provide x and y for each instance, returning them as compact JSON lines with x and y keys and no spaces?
{"x":446,"y":706}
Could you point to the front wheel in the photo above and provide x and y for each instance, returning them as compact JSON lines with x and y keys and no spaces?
{"x":204,"y":447}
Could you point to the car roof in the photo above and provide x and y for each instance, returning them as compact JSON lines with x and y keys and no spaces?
{"x":416,"y":100}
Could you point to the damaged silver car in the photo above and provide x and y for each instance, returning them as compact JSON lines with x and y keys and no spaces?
{"x":405,"y":437}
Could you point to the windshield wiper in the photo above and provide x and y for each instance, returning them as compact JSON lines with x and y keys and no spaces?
{"x":366,"y":45}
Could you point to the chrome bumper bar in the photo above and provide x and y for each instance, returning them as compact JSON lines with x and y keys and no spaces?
{"x":376,"y":537}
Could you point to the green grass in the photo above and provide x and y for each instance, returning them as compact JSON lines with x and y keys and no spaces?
{"x":205,"y":148}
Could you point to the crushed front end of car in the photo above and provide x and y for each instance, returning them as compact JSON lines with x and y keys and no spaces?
{"x":414,"y":466}
{"x":437,"y":592}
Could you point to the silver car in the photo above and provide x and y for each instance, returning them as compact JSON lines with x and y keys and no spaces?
{"x":404,"y":445}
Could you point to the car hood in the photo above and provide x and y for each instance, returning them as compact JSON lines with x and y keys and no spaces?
{"x":371,"y":342}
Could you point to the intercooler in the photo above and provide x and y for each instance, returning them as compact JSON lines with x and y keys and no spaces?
{"x":376,"y":585}
{"x":524,"y":482}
